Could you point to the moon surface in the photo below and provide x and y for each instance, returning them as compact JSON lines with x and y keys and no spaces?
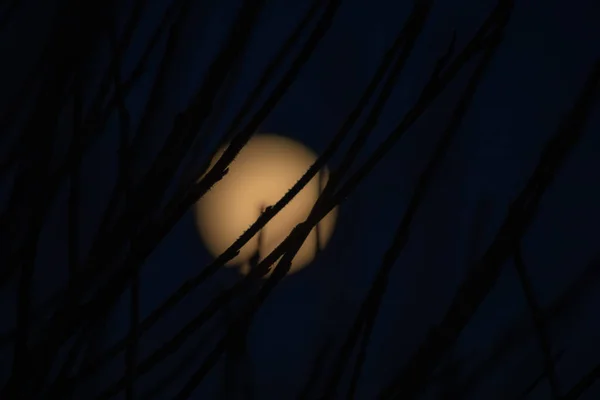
{"x":264,"y":170}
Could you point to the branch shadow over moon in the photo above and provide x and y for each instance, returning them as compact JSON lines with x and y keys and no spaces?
{"x":266,"y":168}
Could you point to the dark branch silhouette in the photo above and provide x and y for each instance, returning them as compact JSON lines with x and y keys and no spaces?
{"x":538,"y":320}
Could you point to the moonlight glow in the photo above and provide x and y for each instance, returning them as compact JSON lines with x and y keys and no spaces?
{"x":264,"y":170}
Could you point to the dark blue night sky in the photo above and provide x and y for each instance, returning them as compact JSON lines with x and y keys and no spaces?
{"x":535,"y":77}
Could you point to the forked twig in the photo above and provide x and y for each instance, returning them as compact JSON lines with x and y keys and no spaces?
{"x":538,"y":321}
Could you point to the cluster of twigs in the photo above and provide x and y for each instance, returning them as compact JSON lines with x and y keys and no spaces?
{"x":138,"y":215}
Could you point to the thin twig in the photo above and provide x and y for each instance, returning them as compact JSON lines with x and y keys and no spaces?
{"x":124,"y":185}
{"x":75,"y":185}
{"x":316,"y":371}
{"x":21,"y":352}
{"x":538,"y":321}
{"x":8,"y":14}
{"x":540,"y":378}
{"x":583,"y":385}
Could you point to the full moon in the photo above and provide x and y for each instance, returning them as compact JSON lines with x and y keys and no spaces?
{"x":264,"y":170}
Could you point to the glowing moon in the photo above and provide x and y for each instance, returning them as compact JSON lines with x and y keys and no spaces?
{"x":264,"y":170}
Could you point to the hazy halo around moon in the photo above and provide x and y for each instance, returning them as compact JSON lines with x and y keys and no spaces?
{"x":264,"y":170}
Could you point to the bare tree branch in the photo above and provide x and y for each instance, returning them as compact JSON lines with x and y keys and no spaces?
{"x":583,"y":385}
{"x":538,"y":321}
{"x":540,"y":377}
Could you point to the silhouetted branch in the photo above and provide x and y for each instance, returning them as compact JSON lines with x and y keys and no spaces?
{"x":316,"y":371}
{"x":132,"y":350}
{"x":583,"y":385}
{"x":57,"y":388}
{"x":75,"y":184}
{"x":538,"y":321}
{"x":8,"y":14}
{"x":14,"y":109}
{"x":540,"y":377}
{"x":237,"y":347}
{"x":124,"y":189}
{"x":21,"y":352}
